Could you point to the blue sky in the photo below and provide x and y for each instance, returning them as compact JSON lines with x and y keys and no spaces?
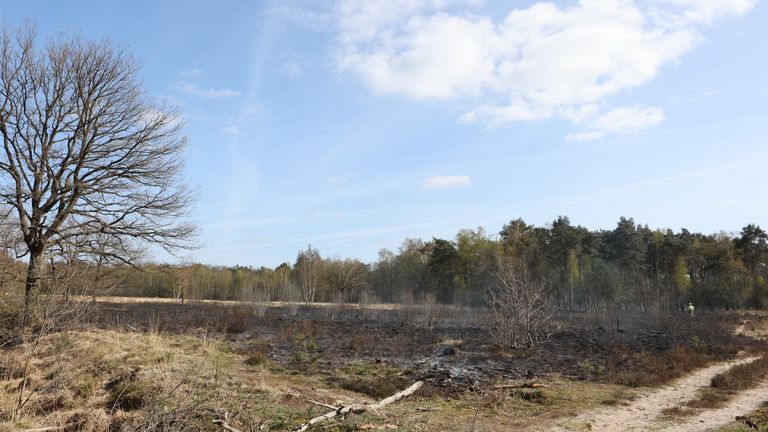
{"x":352,"y":125}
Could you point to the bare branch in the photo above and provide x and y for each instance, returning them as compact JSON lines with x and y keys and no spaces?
{"x":89,"y":161}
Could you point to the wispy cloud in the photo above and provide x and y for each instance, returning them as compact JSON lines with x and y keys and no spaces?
{"x":620,"y":121}
{"x":305,"y":16}
{"x":210,"y":93}
{"x":293,"y":69}
{"x":191,"y":73}
{"x":445,"y":182}
{"x":537,"y":62}
{"x":232,"y":129}
{"x":350,"y":235}
{"x":292,"y":63}
{"x":172,"y":120}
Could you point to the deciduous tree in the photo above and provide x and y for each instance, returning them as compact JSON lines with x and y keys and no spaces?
{"x":86,"y":152}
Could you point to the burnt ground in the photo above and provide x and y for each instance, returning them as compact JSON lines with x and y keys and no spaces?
{"x":377,"y":351}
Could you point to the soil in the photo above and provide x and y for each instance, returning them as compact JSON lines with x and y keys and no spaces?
{"x":577,"y":348}
{"x":645,"y":412}
{"x":745,"y":402}
{"x":390,"y":347}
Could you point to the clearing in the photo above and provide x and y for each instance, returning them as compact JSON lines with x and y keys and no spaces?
{"x":144,"y":365}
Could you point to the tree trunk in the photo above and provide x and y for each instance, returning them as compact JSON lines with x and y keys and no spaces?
{"x":33,"y":276}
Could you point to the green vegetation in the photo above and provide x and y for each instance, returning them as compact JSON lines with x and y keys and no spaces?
{"x":631,"y":267}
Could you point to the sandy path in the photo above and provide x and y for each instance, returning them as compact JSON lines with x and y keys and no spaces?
{"x":642,"y":413}
{"x":743,"y":403}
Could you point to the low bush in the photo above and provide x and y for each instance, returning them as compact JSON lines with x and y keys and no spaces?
{"x":236,"y":319}
{"x":644,"y":369}
{"x":742,"y":376}
{"x":256,"y":353}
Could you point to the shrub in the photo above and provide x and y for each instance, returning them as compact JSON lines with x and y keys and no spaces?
{"x":236,"y":319}
{"x":256,"y":353}
{"x":742,"y":376}
{"x":644,"y":369}
{"x":521,"y":308}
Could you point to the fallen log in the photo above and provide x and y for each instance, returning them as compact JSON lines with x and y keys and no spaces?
{"x":224,"y":423}
{"x":520,"y":386}
{"x":226,"y":426}
{"x":324,"y":405}
{"x":360,"y":408}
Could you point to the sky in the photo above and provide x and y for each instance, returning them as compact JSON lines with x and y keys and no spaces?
{"x":351,"y":125}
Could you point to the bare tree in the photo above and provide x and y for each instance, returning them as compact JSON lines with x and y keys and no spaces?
{"x":180,"y":276}
{"x":93,"y":260}
{"x":521,"y":308}
{"x":86,"y":152}
{"x":9,"y":241}
{"x":345,"y":278}
{"x":308,"y":264}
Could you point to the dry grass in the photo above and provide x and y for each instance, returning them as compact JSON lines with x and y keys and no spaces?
{"x":621,"y":396}
{"x":237,"y":319}
{"x":256,"y":353}
{"x":503,"y":410}
{"x":128,"y":381}
{"x":76,"y":376}
{"x":172,"y":377}
{"x":742,"y":376}
{"x":651,"y":369}
{"x":753,"y":324}
{"x":372,"y":379}
{"x":751,"y":422}
{"x":723,"y":387}
{"x":123,"y":381}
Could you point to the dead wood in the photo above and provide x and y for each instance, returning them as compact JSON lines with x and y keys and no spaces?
{"x":520,"y":386}
{"x":223,"y":422}
{"x":360,"y":408}
{"x":325,"y":405}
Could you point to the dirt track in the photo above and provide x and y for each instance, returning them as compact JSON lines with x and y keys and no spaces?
{"x":643,"y":413}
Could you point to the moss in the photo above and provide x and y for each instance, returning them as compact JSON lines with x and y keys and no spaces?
{"x":130,"y":395}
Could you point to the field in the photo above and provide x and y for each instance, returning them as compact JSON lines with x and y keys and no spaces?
{"x":139,"y":364}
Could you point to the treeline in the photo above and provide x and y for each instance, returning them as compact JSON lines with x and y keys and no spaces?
{"x":628,"y":267}
{"x":631,"y":266}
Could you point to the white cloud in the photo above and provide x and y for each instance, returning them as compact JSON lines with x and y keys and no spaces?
{"x":445,"y":182}
{"x":621,"y":121}
{"x":304,"y":16}
{"x":538,"y":62}
{"x":191,"y":73}
{"x":170,"y":119}
{"x":702,"y":11}
{"x":194,"y":90}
